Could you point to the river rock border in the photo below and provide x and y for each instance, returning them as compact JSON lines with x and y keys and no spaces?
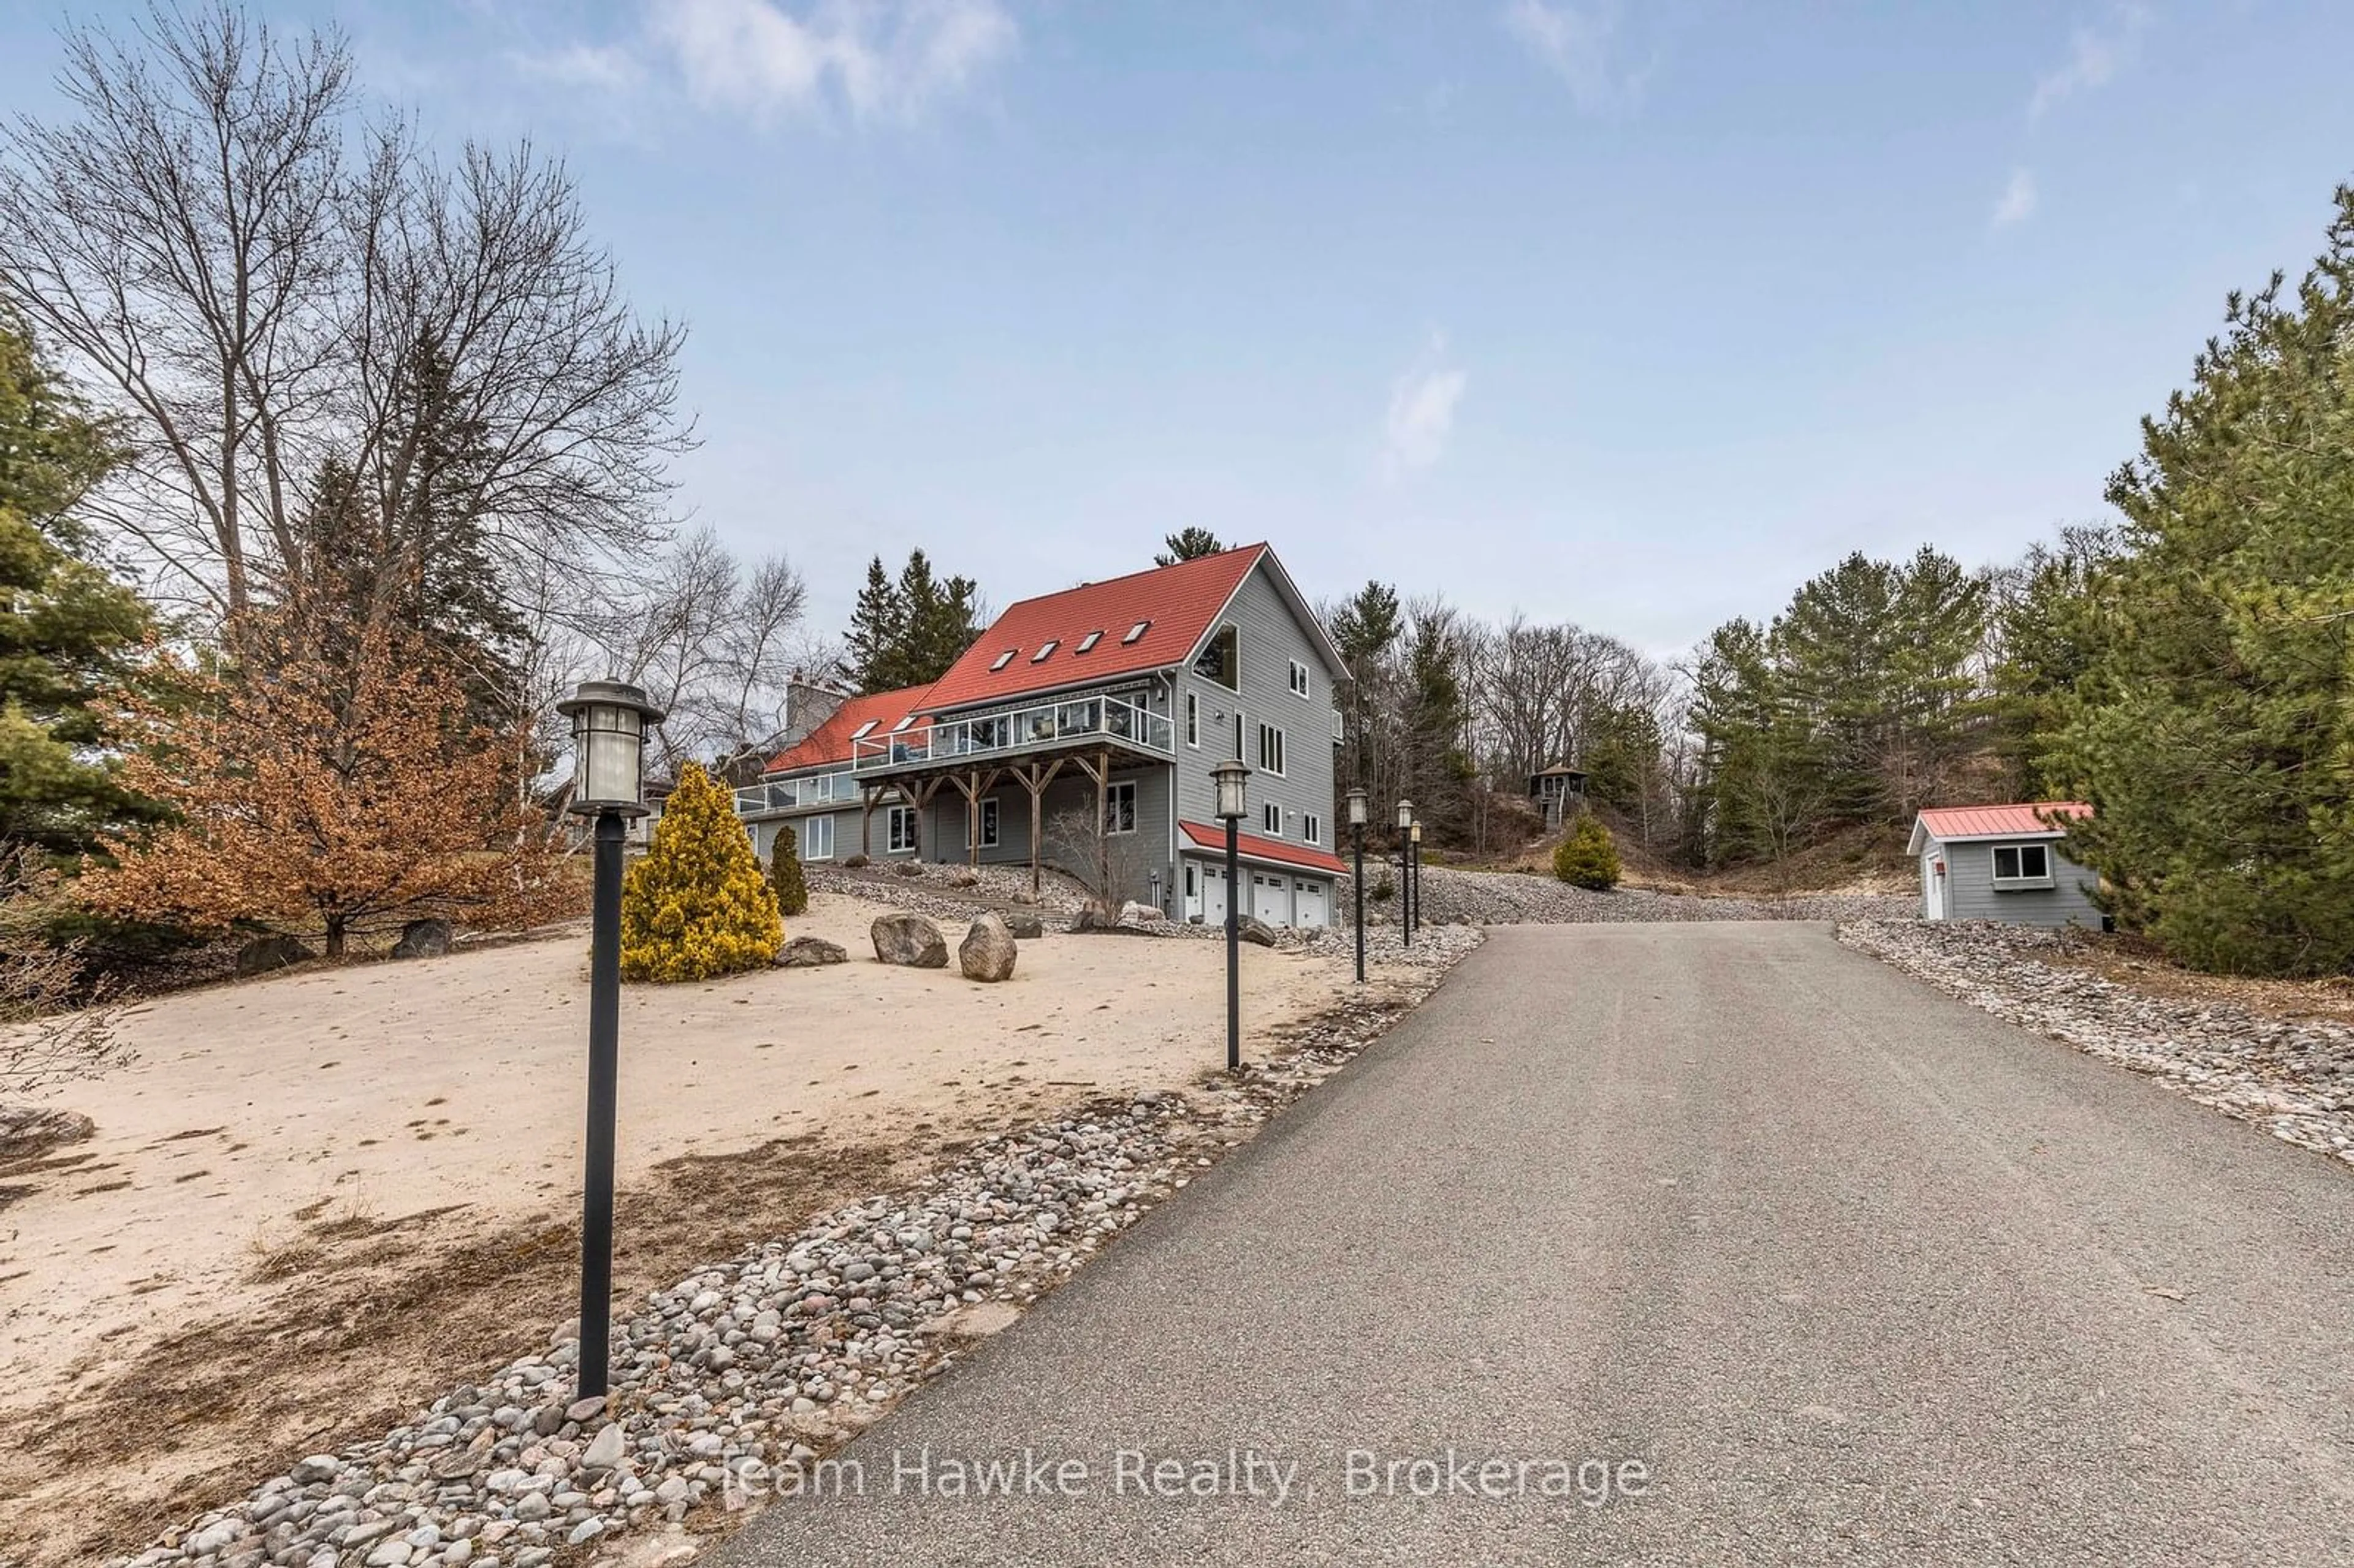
{"x":778,"y":1355}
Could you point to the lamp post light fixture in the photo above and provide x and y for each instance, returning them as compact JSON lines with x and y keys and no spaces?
{"x":1357,"y":832}
{"x":1405,"y":877}
{"x":609,"y":752}
{"x":1230,"y":776}
{"x":1413,"y":845}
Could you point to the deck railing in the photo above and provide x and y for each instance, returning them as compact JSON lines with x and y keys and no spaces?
{"x":784,"y":794}
{"x":1023,"y":729}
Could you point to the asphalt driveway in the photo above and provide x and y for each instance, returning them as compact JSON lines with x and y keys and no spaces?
{"x":1692,"y":1243}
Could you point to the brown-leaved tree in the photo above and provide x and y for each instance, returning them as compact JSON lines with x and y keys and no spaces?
{"x":330,"y":795}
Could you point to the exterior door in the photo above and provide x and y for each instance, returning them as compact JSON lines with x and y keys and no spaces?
{"x":1309,"y":903}
{"x":1933,"y":885}
{"x":1213,"y":896}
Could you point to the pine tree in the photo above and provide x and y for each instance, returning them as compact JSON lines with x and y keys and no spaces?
{"x":2213,"y":730}
{"x":68,"y":633}
{"x":908,"y":631}
{"x":696,"y":906}
{"x":1587,"y":857}
{"x":1188,"y":544}
{"x":785,"y":875}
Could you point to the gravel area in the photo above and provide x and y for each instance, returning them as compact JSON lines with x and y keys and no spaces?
{"x":1515,"y":898}
{"x":730,"y":1380}
{"x":2294,"y":1077}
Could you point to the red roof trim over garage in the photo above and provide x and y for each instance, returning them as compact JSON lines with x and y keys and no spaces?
{"x":831,"y":741}
{"x":1253,"y":847}
{"x":2025,"y":820}
{"x":1176,"y":604}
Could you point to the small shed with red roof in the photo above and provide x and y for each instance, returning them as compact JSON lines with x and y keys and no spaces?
{"x":2007,"y":862}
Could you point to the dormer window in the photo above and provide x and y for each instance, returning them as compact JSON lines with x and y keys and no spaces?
{"x":863,"y":731}
{"x":1047,"y":652}
{"x":1138,"y":629}
{"x":1002,"y":659}
{"x":1088,"y":642}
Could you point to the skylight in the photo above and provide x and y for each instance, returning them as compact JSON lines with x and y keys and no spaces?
{"x":1004,"y":660}
{"x":1089,"y":641}
{"x":1046,"y":650}
{"x":1136,"y":631}
{"x":863,"y":731}
{"x":902,"y":723}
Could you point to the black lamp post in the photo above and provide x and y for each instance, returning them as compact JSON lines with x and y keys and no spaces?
{"x":1413,"y":855}
{"x":1405,"y":873}
{"x":1229,"y":777}
{"x":608,"y":748}
{"x":1357,"y":830}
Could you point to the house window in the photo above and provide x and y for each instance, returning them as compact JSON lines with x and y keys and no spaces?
{"x":1239,"y":734}
{"x":989,"y":824}
{"x":1222,"y":659}
{"x":1193,"y":719}
{"x":1119,"y":808}
{"x":899,"y":830}
{"x":817,"y":837}
{"x":1045,"y":650}
{"x":1270,"y":750}
{"x":2022,"y":865}
{"x":1088,"y":642}
{"x":1136,"y":631}
{"x":1002,"y":659}
{"x":1270,"y":816}
{"x":1312,"y":828}
{"x":1299,"y":678}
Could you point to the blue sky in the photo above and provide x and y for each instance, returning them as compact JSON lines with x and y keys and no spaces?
{"x":1630,"y":315}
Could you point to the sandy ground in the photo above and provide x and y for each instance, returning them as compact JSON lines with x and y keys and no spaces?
{"x":290,"y":1159}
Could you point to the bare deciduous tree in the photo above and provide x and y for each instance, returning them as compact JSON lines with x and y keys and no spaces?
{"x":262,"y":287}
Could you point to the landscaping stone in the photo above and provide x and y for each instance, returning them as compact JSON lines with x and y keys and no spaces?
{"x":811,"y":952}
{"x":823,"y":1328}
{"x":28,"y":1131}
{"x":1134,"y":914}
{"x":422,"y":939}
{"x":264,"y":954}
{"x":1025,"y":925}
{"x":967,"y":878}
{"x":988,"y":951}
{"x":1457,"y":898}
{"x":909,"y":940}
{"x":1254,"y":929}
{"x":910,"y":868}
{"x":854,"y":863}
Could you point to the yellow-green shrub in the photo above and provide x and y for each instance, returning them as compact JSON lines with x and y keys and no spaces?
{"x":1588,"y":858}
{"x":697,"y":905}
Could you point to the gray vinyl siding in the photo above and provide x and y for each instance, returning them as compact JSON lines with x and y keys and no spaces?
{"x":1971,"y":895}
{"x":1136,"y":856}
{"x":1271,"y":637}
{"x":846,"y":832}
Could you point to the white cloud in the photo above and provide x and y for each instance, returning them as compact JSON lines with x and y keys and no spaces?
{"x":2093,"y":57}
{"x":1422,"y":414}
{"x":882,"y":59}
{"x":607,"y":67}
{"x":1576,"y":45}
{"x":2017,"y":203}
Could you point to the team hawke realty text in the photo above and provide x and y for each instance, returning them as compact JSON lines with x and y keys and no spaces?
{"x":1274,"y":1479}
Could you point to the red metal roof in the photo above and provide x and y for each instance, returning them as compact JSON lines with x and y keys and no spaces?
{"x":1177,"y":602}
{"x":830,"y":741}
{"x":2018,"y":821}
{"x":1257,"y":848}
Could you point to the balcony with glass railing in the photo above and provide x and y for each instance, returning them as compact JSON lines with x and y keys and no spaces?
{"x":1071,"y":725}
{"x":791,"y":794}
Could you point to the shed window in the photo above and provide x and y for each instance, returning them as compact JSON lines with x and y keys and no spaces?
{"x":2022,"y":865}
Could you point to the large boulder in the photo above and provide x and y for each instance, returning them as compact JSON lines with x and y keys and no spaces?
{"x":910,"y":868}
{"x":29,"y":1131}
{"x":1254,"y":929}
{"x":811,"y":952}
{"x":987,"y":951}
{"x":909,"y":940}
{"x":264,"y":954}
{"x":1134,"y":914}
{"x":1025,"y":925}
{"x":964,"y":877}
{"x":422,"y":939}
{"x":854,"y":863}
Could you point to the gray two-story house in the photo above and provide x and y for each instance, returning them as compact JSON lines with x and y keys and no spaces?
{"x":1078,"y":733}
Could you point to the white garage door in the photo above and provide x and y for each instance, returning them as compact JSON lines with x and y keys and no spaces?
{"x":1312,"y":904}
{"x":1271,"y":898}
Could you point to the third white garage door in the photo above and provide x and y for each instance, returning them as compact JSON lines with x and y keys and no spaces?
{"x":1310,"y":904}
{"x":1271,"y":898}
